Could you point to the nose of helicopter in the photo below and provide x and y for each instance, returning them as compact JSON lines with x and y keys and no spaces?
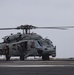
{"x":50,"y":50}
{"x":47,"y":50}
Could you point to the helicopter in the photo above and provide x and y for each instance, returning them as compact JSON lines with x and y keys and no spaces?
{"x":28,"y":44}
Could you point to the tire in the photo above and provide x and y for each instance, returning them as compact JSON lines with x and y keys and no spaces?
{"x":7,"y":57}
{"x":22,"y":57}
{"x":45,"y":57}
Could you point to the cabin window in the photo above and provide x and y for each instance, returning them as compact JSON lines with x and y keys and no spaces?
{"x":24,"y":46}
{"x":33,"y":45}
{"x":14,"y":46}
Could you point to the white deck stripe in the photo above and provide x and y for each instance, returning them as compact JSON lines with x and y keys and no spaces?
{"x":36,"y":65}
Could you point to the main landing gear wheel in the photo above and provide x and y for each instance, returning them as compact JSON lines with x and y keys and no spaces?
{"x":22,"y":57}
{"x":45,"y":57}
{"x":7,"y":57}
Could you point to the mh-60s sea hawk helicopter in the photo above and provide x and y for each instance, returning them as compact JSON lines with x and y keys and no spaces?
{"x":28,"y":44}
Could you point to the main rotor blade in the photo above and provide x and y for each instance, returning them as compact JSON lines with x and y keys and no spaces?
{"x":34,"y":27}
{"x":7,"y":28}
{"x":58,"y":27}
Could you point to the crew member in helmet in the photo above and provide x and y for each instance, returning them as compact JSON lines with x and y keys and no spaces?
{"x":7,"y":52}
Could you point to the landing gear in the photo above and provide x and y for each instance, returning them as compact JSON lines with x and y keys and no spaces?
{"x":45,"y":57}
{"x":7,"y":57}
{"x":22,"y":57}
{"x":22,"y":47}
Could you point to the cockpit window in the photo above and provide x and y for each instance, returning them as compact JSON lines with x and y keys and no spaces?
{"x":44,"y":42}
{"x":40,"y":43}
{"x":48,"y":42}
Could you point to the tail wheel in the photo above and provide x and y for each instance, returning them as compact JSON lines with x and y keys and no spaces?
{"x":45,"y":57}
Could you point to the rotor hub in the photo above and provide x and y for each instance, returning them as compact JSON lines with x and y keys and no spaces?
{"x":26,"y":27}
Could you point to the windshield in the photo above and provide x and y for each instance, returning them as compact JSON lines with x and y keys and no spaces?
{"x":48,"y":42}
{"x":44,"y":43}
{"x":37,"y":44}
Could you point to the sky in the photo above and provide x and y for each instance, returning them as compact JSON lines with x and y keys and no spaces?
{"x":41,"y":13}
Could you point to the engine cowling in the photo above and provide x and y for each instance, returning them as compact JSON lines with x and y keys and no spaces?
{"x":12,"y":37}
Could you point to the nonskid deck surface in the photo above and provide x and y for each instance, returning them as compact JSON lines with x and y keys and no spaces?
{"x":32,"y":62}
{"x":37,"y":67}
{"x":30,"y":67}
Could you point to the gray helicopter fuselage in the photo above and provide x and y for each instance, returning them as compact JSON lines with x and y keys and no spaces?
{"x":28,"y":45}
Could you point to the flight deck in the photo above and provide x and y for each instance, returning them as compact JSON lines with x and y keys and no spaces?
{"x":37,"y":67}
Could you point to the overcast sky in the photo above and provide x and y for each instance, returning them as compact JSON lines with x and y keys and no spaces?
{"x":13,"y":13}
